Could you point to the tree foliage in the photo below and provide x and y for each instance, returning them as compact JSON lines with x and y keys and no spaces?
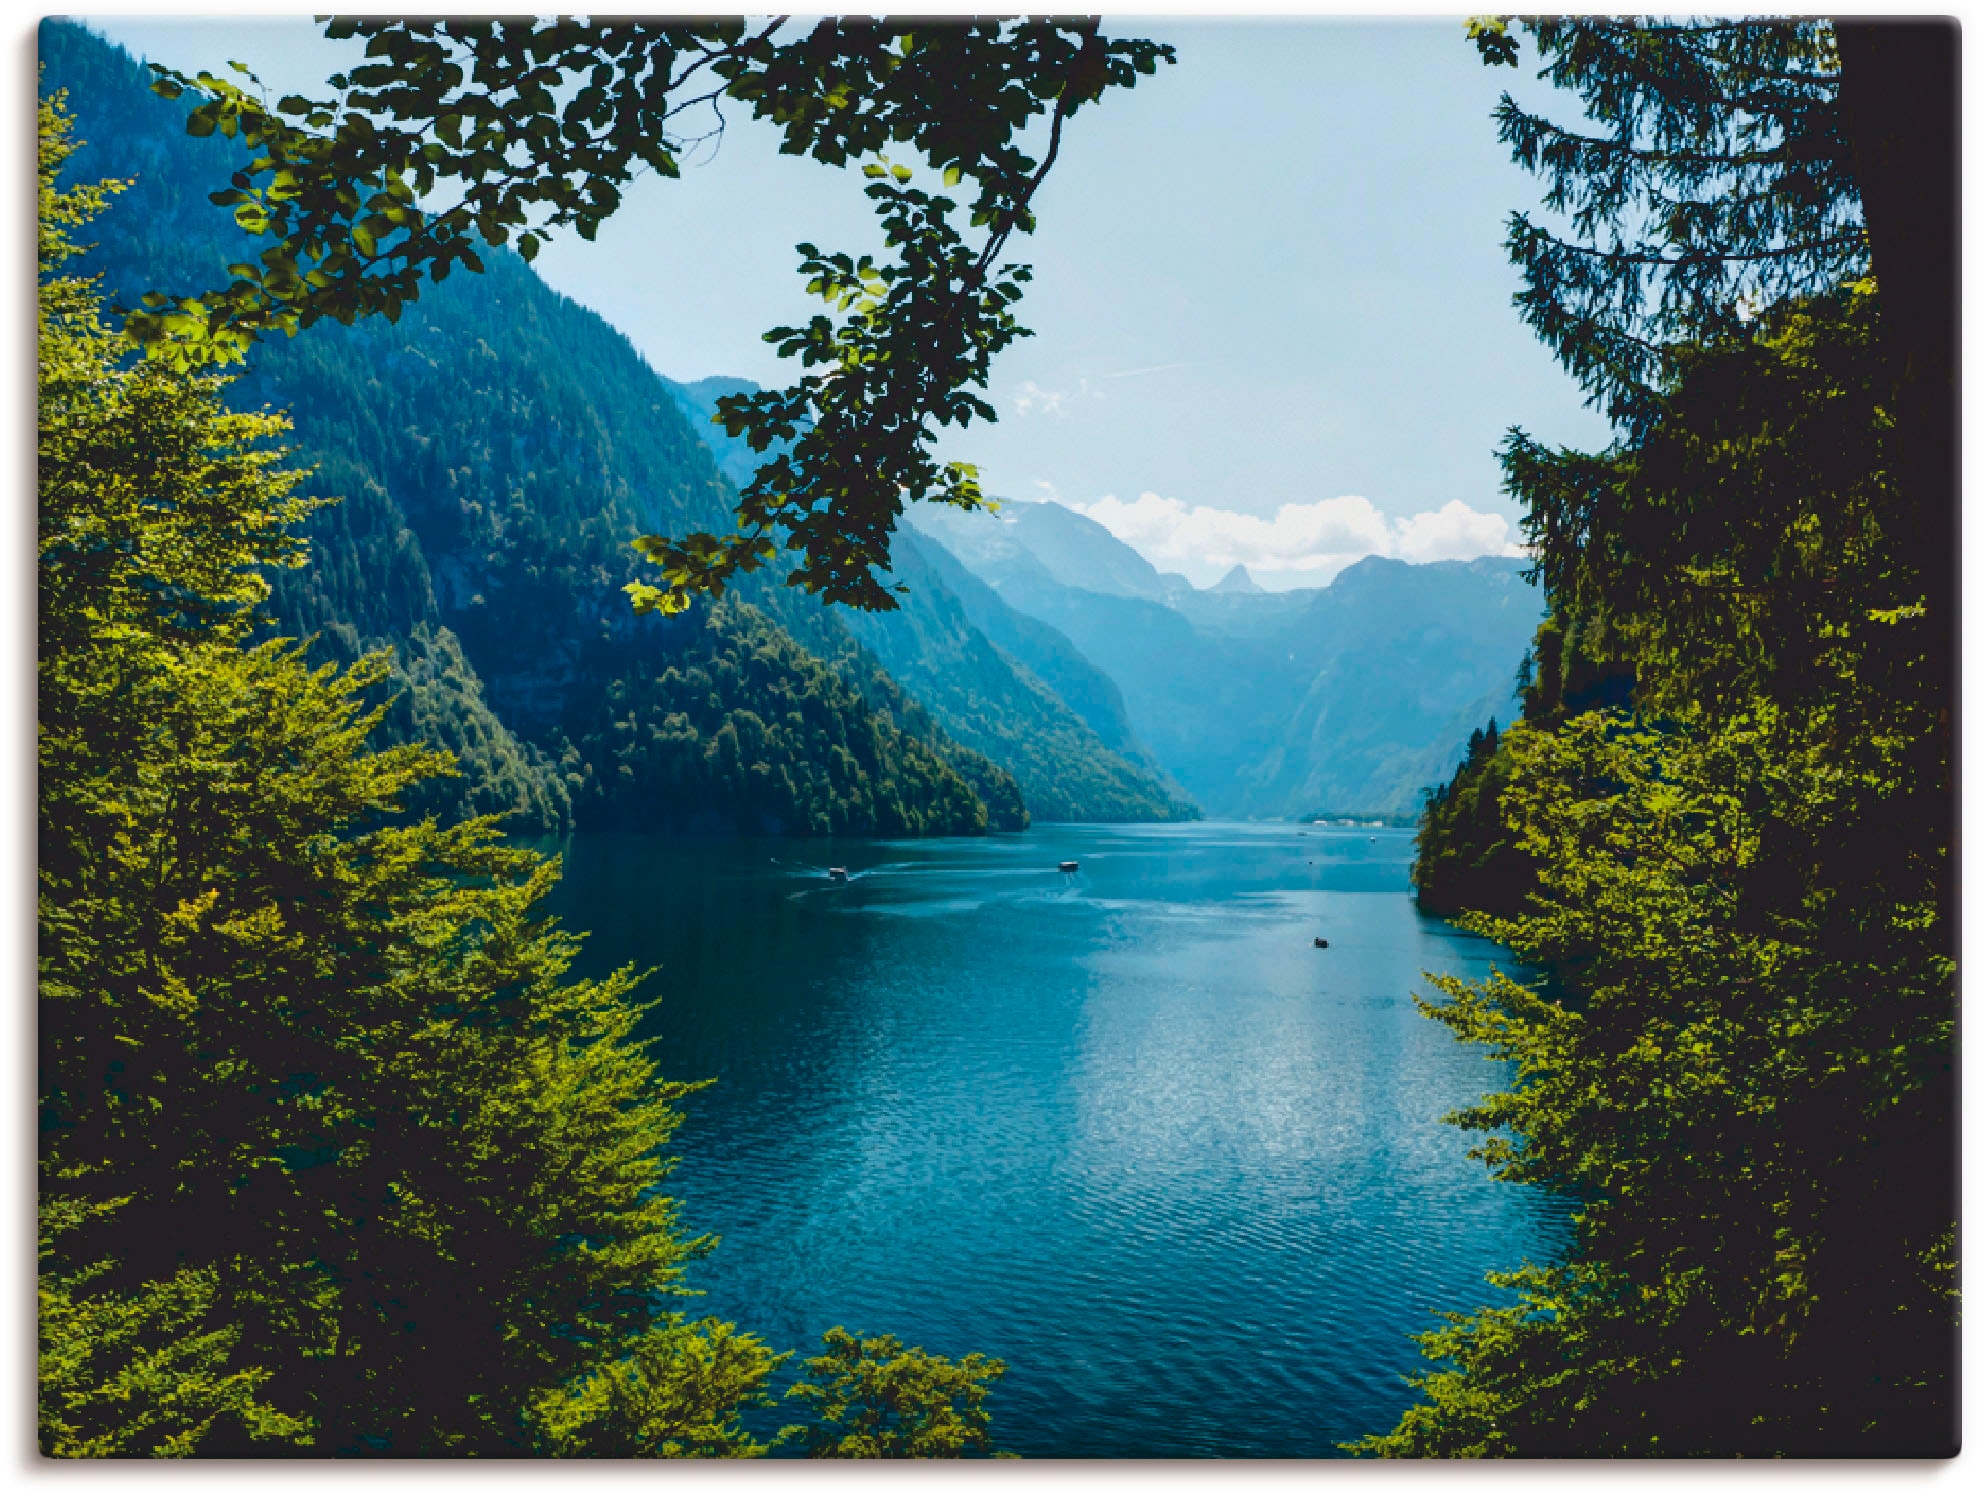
{"x":1709,"y":174}
{"x":335,"y":1156}
{"x":1730,"y":787}
{"x":874,"y":1399}
{"x":1725,"y":166}
{"x":680,"y":1393}
{"x":1747,"y":1098}
{"x":527,"y":126}
{"x":324,"y":1068}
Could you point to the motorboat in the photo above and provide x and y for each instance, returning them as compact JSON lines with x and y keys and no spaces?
{"x":1069,"y":866}
{"x":837,"y":873}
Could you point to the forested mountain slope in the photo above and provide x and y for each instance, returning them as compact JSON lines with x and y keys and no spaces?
{"x":988,"y":699}
{"x":1005,"y":684}
{"x":493,"y":453}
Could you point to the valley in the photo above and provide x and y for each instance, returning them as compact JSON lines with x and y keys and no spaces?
{"x":489,"y":456}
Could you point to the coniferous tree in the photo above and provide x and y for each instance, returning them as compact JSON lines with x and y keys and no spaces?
{"x":1730,"y":782}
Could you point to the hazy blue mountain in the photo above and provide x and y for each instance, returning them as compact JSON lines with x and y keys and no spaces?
{"x":992,"y":702}
{"x":1047,"y":652}
{"x":697,"y":400}
{"x":1044,"y":539}
{"x":1350,"y":698}
{"x":1238,"y":581}
{"x":494,"y":451}
{"x":1418,"y":656}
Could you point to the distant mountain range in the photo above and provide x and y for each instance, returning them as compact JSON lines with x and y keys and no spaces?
{"x":494,"y":451}
{"x":1346,"y":699}
{"x":1011,"y":689}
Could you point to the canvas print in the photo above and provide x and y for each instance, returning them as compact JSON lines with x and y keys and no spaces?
{"x":874,"y":737}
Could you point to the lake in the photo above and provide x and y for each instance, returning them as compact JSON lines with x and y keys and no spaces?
{"x":1126,"y":1128}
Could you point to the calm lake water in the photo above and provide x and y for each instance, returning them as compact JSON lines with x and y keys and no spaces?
{"x":1127,"y":1129}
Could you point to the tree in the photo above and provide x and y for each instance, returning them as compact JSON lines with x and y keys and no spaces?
{"x":144,"y":1372}
{"x":874,"y":1399}
{"x":1746,"y":1096}
{"x":1729,"y":165}
{"x":538,"y":125}
{"x":1739,"y":1066}
{"x":679,"y":1393}
{"x":331,"y":1150}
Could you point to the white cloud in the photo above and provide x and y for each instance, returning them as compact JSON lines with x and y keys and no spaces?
{"x":1304,"y":543}
{"x":1454,"y":531}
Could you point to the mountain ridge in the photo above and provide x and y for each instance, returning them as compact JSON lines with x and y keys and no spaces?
{"x":1351,"y":697}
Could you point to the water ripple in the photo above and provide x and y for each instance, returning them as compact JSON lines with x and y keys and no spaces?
{"x":1128,"y":1130}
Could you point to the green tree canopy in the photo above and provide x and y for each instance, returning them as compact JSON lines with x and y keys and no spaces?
{"x":1727,"y":810}
{"x":1724,"y":166}
{"x":317,"y":1100}
{"x":874,"y":1399}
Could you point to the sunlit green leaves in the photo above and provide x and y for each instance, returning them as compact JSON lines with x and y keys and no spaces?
{"x":874,"y":1399}
{"x":1732,"y":1038}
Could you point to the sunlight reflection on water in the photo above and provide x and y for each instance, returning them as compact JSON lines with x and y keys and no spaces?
{"x":1125,"y":1128}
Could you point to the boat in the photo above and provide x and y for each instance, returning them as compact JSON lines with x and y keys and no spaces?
{"x":1320,"y":942}
{"x":838,"y":873}
{"x":1069,"y":866}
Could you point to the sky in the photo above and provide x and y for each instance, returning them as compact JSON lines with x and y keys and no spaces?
{"x":1272,"y":311}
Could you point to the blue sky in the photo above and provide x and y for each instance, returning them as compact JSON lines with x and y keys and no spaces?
{"x":1272,"y":311}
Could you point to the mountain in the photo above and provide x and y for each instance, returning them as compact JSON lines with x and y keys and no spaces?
{"x":1002,"y":683}
{"x":494,"y":451}
{"x":991,"y":701}
{"x":1347,"y":699}
{"x":1047,"y":652}
{"x":1039,"y":542}
{"x":697,"y":400}
{"x":1418,"y":657}
{"x":1238,"y":581}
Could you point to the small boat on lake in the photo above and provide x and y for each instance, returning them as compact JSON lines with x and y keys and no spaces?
{"x":1320,"y":942}
{"x":837,"y":874}
{"x":1069,"y":866}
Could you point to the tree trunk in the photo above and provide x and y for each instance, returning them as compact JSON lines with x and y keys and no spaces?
{"x":1900,"y":95}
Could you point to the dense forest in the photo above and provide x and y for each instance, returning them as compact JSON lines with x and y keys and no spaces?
{"x":1467,"y":859}
{"x":1722,"y":822}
